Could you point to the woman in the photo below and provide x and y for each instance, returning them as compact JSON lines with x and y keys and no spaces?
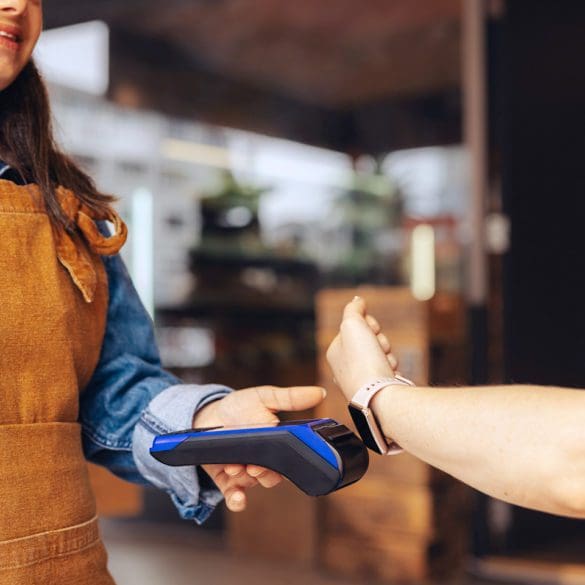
{"x":522,"y":444}
{"x":80,"y":373}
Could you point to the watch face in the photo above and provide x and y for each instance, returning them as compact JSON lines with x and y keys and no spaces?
{"x":361,"y":424}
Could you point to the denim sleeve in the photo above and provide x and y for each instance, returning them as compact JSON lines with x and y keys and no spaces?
{"x":131,"y":397}
{"x":172,"y":410}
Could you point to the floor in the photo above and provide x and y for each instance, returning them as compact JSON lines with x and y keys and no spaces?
{"x":159,"y":554}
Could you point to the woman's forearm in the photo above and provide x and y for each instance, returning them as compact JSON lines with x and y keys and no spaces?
{"x":522,"y":444}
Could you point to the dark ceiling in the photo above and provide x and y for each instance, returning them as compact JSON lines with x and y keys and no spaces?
{"x":356,"y":75}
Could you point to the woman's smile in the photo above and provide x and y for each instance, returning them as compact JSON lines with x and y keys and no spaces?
{"x":10,"y":37}
{"x":21,"y":22}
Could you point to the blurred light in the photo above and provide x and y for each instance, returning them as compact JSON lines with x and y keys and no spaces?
{"x":422,"y":281}
{"x":142,"y":247}
{"x":76,"y":56}
{"x":497,"y":232}
{"x":261,"y":279}
{"x":238,"y":217}
{"x":283,"y":160}
{"x":273,"y":160}
{"x":186,"y":347}
{"x":193,"y":152}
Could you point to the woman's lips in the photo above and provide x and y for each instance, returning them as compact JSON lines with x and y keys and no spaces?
{"x":9,"y":38}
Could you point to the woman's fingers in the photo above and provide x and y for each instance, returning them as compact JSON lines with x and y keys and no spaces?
{"x":393,"y":362}
{"x":270,"y":480}
{"x":387,"y":349}
{"x":255,"y":470}
{"x":234,"y":470}
{"x":270,"y":399}
{"x":265,"y":477}
{"x":382,"y":340}
{"x":216,"y":473}
{"x":235,"y":499}
{"x":357,"y":355}
{"x":376,"y":328}
{"x":233,"y":488}
{"x":220,"y":479}
{"x":373,"y":323}
{"x":384,"y":343}
{"x":357,"y":308}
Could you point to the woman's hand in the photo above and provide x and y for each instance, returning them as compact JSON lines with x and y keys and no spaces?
{"x":251,"y":406}
{"x":360,"y":353}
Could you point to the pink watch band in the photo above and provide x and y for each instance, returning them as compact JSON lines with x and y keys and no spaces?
{"x":364,"y":396}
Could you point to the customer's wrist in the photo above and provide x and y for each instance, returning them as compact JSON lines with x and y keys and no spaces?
{"x":386,"y":406}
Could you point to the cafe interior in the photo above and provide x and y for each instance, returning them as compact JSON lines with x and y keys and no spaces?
{"x":274,"y":159}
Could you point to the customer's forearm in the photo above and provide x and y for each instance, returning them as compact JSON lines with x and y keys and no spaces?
{"x":522,"y":444}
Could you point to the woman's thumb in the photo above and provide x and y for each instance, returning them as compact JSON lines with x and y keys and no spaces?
{"x":291,"y":399}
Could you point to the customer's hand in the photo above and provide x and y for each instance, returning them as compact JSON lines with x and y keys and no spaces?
{"x":251,"y":406}
{"x":361,"y":352}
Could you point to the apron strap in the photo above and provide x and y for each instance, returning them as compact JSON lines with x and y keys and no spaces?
{"x":72,"y":252}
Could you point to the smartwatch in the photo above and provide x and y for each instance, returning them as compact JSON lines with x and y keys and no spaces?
{"x":365,"y":420}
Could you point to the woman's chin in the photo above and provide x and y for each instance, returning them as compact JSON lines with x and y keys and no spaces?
{"x":8,"y":73}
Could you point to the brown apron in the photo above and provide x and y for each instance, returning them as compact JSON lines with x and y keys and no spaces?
{"x":53,"y":305}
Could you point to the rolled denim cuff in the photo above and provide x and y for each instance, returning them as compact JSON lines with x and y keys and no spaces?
{"x":171,"y":411}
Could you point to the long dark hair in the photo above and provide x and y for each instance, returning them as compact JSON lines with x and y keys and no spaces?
{"x":28,"y":145}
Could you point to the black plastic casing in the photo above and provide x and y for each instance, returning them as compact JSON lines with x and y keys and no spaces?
{"x":280,"y":451}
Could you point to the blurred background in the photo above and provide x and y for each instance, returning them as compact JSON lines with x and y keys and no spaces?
{"x":274,"y":158}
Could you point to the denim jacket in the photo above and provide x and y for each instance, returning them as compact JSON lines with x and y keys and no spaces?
{"x":130,"y":398}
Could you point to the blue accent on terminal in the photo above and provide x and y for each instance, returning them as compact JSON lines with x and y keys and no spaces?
{"x":303,"y":432}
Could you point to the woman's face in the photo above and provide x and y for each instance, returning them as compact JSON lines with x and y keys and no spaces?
{"x":21,"y":22}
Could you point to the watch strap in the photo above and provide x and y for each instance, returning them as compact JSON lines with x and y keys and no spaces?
{"x":365,"y":420}
{"x":366,"y":393}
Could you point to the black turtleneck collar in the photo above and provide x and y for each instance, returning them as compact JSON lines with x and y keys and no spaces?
{"x":7,"y":173}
